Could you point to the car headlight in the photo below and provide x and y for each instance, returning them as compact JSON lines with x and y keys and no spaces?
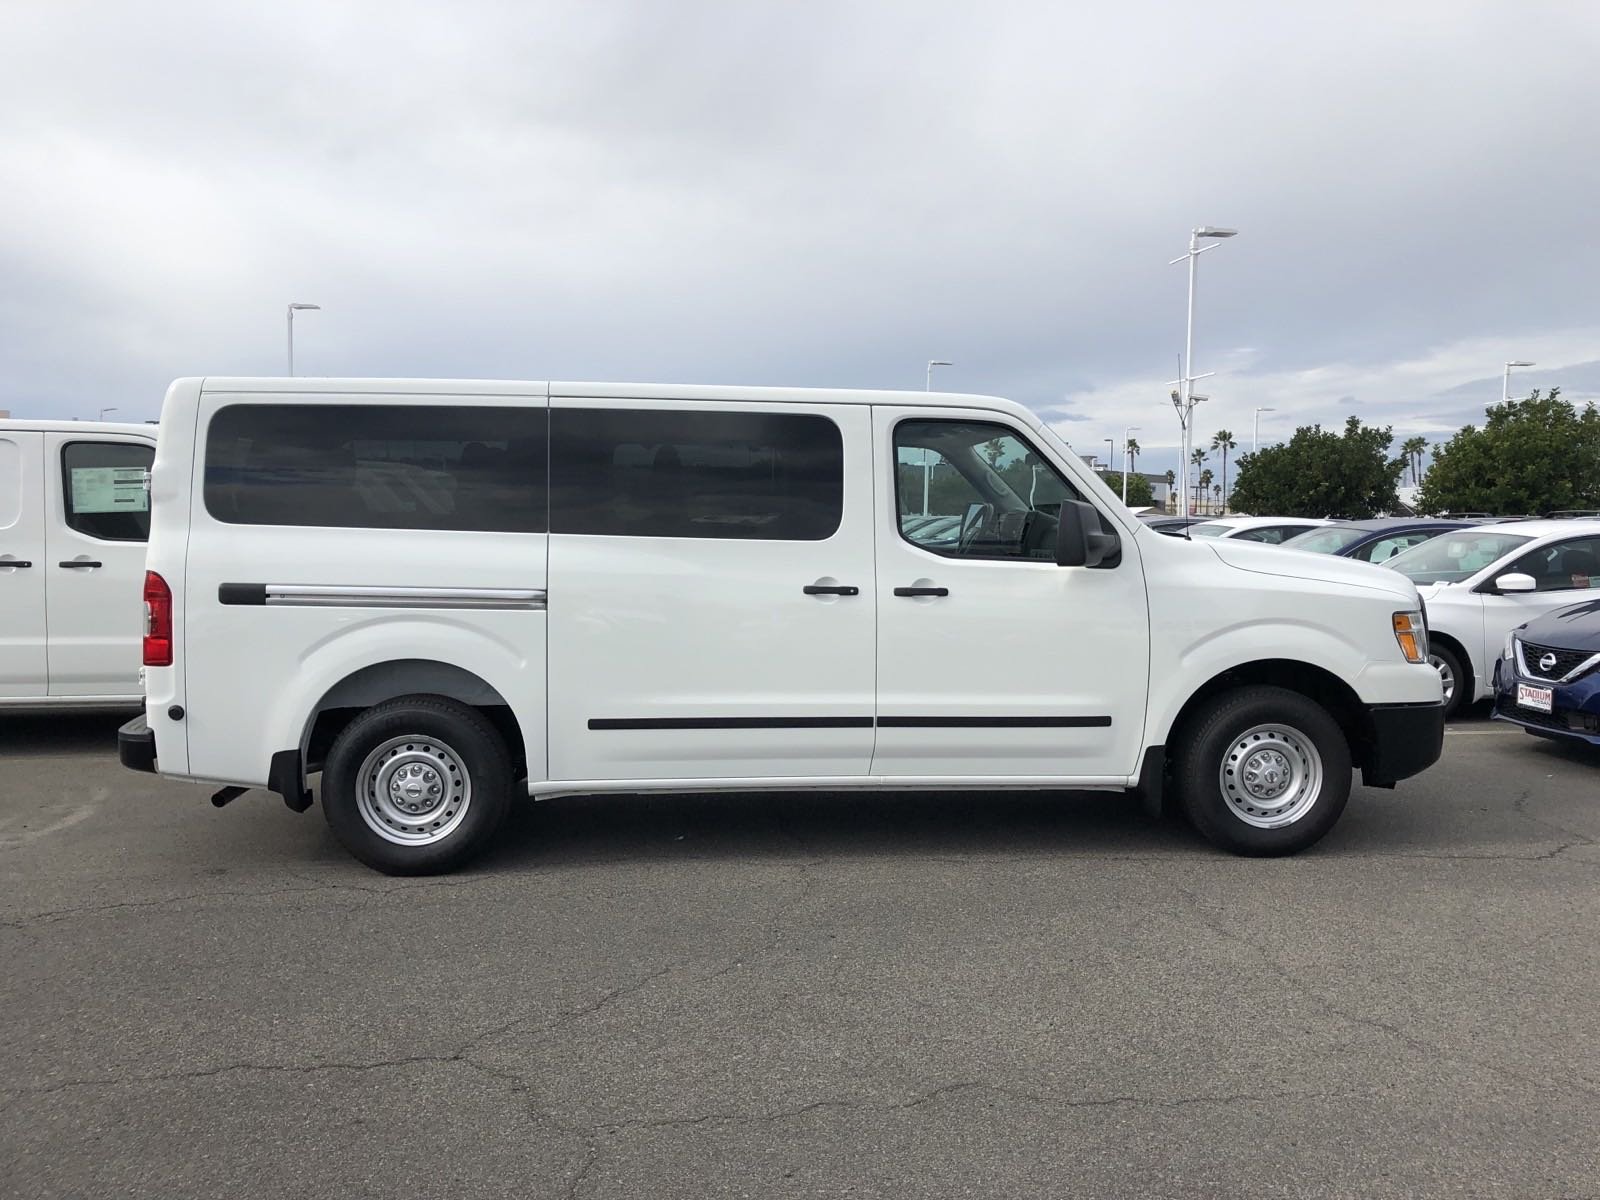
{"x":1412,"y":635}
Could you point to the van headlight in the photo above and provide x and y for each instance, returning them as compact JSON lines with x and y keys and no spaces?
{"x":1412,"y":634}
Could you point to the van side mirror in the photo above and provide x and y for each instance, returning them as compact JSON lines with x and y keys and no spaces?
{"x":1080,"y":540}
{"x":1516,"y":581}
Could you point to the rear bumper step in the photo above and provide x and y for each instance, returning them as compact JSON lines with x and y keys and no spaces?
{"x":136,"y":745}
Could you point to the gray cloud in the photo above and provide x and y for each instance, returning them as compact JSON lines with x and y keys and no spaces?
{"x":727,"y":192}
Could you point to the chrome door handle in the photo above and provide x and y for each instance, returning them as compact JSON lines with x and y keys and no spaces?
{"x":80,"y":562}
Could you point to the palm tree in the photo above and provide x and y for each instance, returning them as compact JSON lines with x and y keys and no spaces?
{"x":1205,"y":482}
{"x":1223,"y":440}
{"x":1132,"y":450}
{"x":1414,"y":449}
{"x":1172,"y":485}
{"x":1216,"y":493}
{"x":1197,"y":458}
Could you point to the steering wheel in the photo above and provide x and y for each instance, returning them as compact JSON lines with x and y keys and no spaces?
{"x":978,"y":515}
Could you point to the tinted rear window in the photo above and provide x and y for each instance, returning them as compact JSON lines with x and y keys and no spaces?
{"x":695,"y":474}
{"x":379,"y":466}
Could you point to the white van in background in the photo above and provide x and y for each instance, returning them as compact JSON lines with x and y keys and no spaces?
{"x":74,"y":516}
{"x":444,"y":594}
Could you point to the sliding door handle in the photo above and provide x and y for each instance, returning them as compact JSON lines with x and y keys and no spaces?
{"x":820,"y":589}
{"x":80,"y":562}
{"x":922,"y":591}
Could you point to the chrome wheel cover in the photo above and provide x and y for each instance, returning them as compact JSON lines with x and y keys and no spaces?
{"x":1271,"y":776}
{"x":1446,"y":675}
{"x":413,"y":791}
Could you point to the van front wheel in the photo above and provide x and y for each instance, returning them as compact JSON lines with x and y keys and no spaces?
{"x":416,"y":785}
{"x":1263,"y":770}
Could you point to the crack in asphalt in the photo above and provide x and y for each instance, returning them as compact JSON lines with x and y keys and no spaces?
{"x":1409,"y":1039}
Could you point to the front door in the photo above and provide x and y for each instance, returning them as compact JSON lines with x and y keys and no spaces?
{"x":96,"y":525}
{"x":711,"y":601}
{"x":993,"y":660}
{"x":22,"y":566}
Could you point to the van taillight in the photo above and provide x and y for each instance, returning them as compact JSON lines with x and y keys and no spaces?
{"x":157,"y":621}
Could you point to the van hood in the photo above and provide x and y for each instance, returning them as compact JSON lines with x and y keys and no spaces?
{"x":1317,"y":568}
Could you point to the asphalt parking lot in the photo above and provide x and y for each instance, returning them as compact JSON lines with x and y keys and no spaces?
{"x":996,"y":995}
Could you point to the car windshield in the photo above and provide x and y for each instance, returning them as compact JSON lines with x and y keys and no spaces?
{"x":1454,"y":556}
{"x":1327,"y":541}
{"x":1210,"y":529}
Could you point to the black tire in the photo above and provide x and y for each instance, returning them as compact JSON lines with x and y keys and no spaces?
{"x":1458,"y":699}
{"x":468,"y":761}
{"x":1210,"y":738}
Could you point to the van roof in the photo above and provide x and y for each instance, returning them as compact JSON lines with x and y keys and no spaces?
{"x":611,"y":391}
{"x":68,"y":425}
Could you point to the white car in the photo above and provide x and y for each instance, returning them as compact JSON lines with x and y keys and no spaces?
{"x":74,"y":515}
{"x":443,"y":594}
{"x":1254,"y":529}
{"x":1482,"y":582}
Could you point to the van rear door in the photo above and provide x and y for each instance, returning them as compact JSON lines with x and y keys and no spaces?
{"x":96,"y":525}
{"x":22,"y":561}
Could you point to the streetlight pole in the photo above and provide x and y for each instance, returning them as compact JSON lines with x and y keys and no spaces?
{"x":1186,"y":401}
{"x":104,"y":411}
{"x":1505,"y":386}
{"x":927,"y":467}
{"x":1255,"y":433}
{"x":1126,"y":431}
{"x":294,"y":308}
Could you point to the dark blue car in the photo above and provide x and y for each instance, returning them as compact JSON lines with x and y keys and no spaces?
{"x":1373,"y":540}
{"x":1548,"y":676}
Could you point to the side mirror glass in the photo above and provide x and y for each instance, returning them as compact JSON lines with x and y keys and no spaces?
{"x":1516,"y":581}
{"x":1080,"y":541}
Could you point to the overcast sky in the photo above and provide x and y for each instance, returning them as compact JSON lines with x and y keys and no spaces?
{"x":823,"y":194}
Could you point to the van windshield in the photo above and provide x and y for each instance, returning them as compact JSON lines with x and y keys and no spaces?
{"x":1454,"y":556}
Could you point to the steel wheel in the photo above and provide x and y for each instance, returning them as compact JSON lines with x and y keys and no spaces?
{"x":1271,"y":776}
{"x":413,"y":790}
{"x":1447,"y":675}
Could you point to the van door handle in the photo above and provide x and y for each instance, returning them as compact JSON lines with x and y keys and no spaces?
{"x":79,"y":562}
{"x":922,"y":591}
{"x":818,"y":589}
{"x":14,"y":562}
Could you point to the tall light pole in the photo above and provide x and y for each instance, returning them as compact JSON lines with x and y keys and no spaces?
{"x":1185,"y":401}
{"x":1128,"y":430}
{"x":1505,"y":387}
{"x":1255,"y":433}
{"x":104,"y":411}
{"x":294,"y":308}
{"x":927,"y":467}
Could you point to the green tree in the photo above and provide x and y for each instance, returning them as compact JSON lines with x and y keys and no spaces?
{"x":1139,"y":494}
{"x":1133,"y":451}
{"x":1320,"y":473}
{"x":1172,"y":484}
{"x":1412,"y":451}
{"x":1205,"y":485}
{"x":1223,"y":440}
{"x":1530,"y":456}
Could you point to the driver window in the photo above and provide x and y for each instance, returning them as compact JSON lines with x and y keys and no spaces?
{"x":1564,"y":566}
{"x":972,"y":489}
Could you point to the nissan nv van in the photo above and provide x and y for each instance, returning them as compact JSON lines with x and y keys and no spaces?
{"x":444,"y":596}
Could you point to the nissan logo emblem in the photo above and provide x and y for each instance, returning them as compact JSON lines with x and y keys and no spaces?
{"x":1546,"y":661}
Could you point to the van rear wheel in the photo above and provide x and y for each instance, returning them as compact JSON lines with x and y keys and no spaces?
{"x":417,"y":785}
{"x":1263,"y":771}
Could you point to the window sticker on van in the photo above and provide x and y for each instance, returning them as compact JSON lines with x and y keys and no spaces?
{"x":108,"y":489}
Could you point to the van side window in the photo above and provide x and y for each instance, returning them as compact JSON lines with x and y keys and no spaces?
{"x":379,"y":466}
{"x":103,"y":488}
{"x":969,"y":489}
{"x":695,"y":473}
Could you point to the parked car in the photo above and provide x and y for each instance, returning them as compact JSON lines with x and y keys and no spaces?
{"x":439,"y":594}
{"x":1372,"y":541}
{"x":1481,"y":582}
{"x":74,"y":516}
{"x":1548,"y":676}
{"x":1256,"y":529}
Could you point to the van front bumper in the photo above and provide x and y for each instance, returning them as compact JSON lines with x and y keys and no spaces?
{"x":1406,"y":739}
{"x":136,"y":745}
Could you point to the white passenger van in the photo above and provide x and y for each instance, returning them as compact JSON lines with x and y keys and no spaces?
{"x":444,"y":594}
{"x":74,"y":516}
